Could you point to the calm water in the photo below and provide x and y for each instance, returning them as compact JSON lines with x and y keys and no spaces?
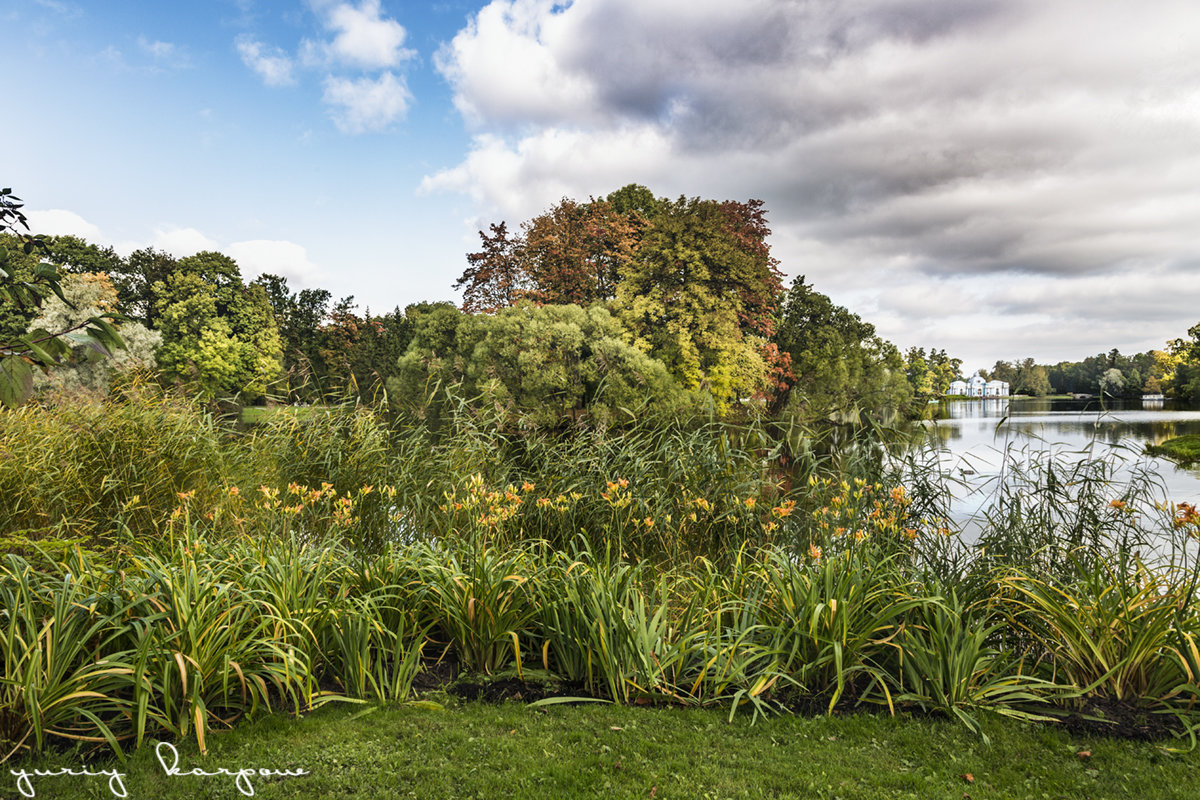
{"x":974,"y":435}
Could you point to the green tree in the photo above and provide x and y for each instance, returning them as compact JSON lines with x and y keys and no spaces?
{"x":1185,"y":356}
{"x":544,"y":366}
{"x":686,"y":296}
{"x":299,"y":317}
{"x":842,"y":369}
{"x":73,"y":255}
{"x":218,"y":335}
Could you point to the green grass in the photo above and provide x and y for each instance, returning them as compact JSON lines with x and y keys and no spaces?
{"x":1184,"y":449}
{"x":512,"y":750}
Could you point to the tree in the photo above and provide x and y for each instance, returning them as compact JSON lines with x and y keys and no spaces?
{"x":89,"y":295}
{"x":23,"y":288}
{"x":842,"y":369}
{"x":544,"y":366}
{"x":299,"y":317}
{"x":1112,"y":382}
{"x":495,"y":277}
{"x":693,"y":280}
{"x":218,"y":335}
{"x":1024,"y":377}
{"x":73,"y":255}
{"x":145,"y":269}
{"x":576,"y":252}
{"x":691,"y":297}
{"x":1185,"y":353}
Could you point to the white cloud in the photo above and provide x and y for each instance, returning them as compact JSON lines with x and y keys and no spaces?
{"x":283,"y":258}
{"x":363,"y":38}
{"x":272,"y":64}
{"x":68,"y":10}
{"x":164,"y":54}
{"x":182,"y":242}
{"x":1022,"y":146}
{"x":156,"y":49}
{"x":59,"y":222}
{"x":361,"y":89}
{"x":366,"y":104}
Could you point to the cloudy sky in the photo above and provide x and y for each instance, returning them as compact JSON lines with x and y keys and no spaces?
{"x":1001,"y":178}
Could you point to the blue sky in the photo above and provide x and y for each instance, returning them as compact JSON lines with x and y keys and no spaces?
{"x":1002,"y":178}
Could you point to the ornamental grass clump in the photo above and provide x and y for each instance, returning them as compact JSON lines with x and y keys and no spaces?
{"x":62,"y":672}
{"x":1119,"y":631}
{"x":834,"y":621}
{"x":207,"y":646}
{"x":605,"y":624}
{"x":950,"y":663}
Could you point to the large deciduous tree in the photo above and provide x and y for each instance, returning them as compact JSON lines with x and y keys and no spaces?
{"x":545,"y":366}
{"x":696,"y":296}
{"x":218,"y":335}
{"x":1185,"y":378}
{"x":495,"y":277}
{"x":576,"y":252}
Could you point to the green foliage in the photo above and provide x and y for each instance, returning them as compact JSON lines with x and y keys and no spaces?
{"x":476,"y":749}
{"x":682,"y":297}
{"x":24,"y":285}
{"x":668,"y":565}
{"x":1139,"y":373}
{"x":218,"y":335}
{"x":692,"y":281}
{"x":60,"y":679}
{"x":1026,"y":377}
{"x":950,"y":664}
{"x":1184,"y":355}
{"x":842,"y":370}
{"x":95,"y":469}
{"x":539,"y":366}
{"x":930,"y":375}
{"x":1121,"y":631}
{"x":1184,"y":449}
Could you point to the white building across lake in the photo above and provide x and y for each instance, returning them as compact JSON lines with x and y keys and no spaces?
{"x":978,"y":387}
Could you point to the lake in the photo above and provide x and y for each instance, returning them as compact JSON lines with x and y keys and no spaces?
{"x":974,"y":435}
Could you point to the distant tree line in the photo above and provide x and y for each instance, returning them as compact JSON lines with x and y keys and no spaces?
{"x":1173,"y":371}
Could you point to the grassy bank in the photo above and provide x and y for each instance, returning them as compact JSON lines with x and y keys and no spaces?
{"x":1183,"y":449}
{"x":511,"y":750}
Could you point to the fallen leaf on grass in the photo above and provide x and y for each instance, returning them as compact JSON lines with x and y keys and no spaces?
{"x":968,"y":777}
{"x":1084,"y":754}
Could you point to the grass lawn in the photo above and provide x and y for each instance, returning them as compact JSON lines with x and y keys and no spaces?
{"x":473,"y":750}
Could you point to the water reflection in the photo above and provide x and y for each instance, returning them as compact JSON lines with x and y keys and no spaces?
{"x":990,"y":408}
{"x":977,"y":436}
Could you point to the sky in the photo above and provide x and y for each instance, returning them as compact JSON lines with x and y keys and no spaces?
{"x":1001,"y":179}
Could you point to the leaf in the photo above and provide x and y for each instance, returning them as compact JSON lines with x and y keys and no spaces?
{"x":553,"y":701}
{"x":16,"y":381}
